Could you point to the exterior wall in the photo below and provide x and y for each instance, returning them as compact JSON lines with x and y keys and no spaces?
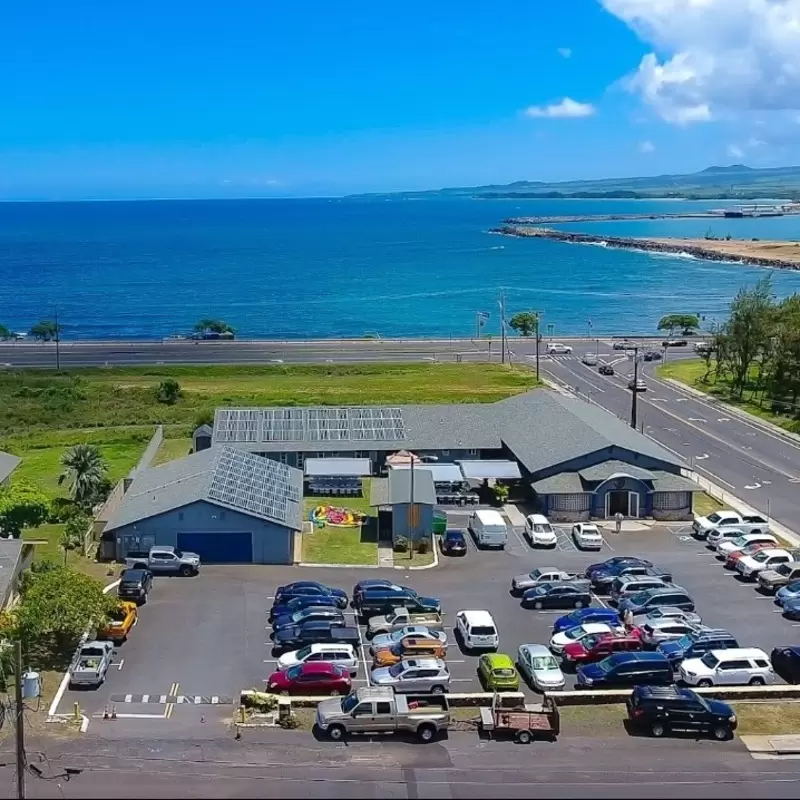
{"x":400,"y":521}
{"x":201,"y":442}
{"x":272,"y":543}
{"x":672,"y":505}
{"x":627,"y":485}
{"x":567,"y":507}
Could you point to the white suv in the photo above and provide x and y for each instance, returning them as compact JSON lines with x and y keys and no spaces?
{"x":558,"y":348}
{"x":539,"y":531}
{"x":739,"y":666}
{"x":342,"y":654}
{"x":476,"y":630}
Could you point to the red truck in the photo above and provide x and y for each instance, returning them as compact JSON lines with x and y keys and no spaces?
{"x":597,"y":647}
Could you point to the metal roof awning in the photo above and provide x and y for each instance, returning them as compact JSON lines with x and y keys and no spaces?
{"x":441,"y":473}
{"x":480,"y":470}
{"x":338,"y":467}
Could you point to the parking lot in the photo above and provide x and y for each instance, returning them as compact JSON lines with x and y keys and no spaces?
{"x":201,"y":640}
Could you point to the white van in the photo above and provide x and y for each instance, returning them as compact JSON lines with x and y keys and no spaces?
{"x":476,"y":630}
{"x":488,"y":528}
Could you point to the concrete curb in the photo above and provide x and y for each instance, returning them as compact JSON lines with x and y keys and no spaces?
{"x":755,"y":421}
{"x":776,"y":745}
{"x":376,"y":566}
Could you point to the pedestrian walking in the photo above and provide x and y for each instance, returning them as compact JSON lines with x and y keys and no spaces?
{"x":618,"y":522}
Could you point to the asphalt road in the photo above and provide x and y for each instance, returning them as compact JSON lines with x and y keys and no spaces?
{"x":742,"y":455}
{"x":293,"y":764}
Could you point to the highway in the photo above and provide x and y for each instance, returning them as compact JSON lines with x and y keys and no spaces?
{"x":738,"y":453}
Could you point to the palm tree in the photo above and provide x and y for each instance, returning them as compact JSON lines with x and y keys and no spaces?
{"x":85,"y":470}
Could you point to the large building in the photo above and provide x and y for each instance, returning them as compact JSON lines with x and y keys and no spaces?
{"x":577,"y":460}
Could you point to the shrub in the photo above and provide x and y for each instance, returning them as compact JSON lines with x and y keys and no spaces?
{"x":168,"y":392}
{"x":401,"y":544}
{"x":204,"y":417}
{"x":423,"y":545}
{"x":289,"y":722}
{"x":500,"y":493}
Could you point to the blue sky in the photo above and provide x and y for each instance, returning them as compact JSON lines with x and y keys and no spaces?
{"x":206,"y":99}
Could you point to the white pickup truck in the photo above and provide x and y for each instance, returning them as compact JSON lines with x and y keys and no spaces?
{"x":725,"y":519}
{"x":91,"y":664}
{"x":400,"y":618}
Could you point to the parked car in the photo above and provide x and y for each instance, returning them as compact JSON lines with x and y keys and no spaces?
{"x":663,"y":709}
{"x":586,"y":536}
{"x":289,"y":607}
{"x":668,"y":612}
{"x":603,"y":580}
{"x":540,"y":669}
{"x":561,"y":639}
{"x":320,"y":677}
{"x":599,"y":646}
{"x":652,"y":355}
{"x":343,"y":655}
{"x":637,"y":384}
{"x":728,"y":546}
{"x":625,"y":669}
{"x":308,"y":588}
{"x":401,"y":618}
{"x":674,"y":343}
{"x":409,"y":648}
{"x":786,"y":663}
{"x":91,"y":664}
{"x":770,"y":580}
{"x":749,"y":567}
{"x":558,"y":348}
{"x":383,"y":640}
{"x":120,"y":623}
{"x":655,"y":631}
{"x":497,"y":673}
{"x":324,"y":613}
{"x":750,"y":550}
{"x":580,"y":616}
{"x":368,"y":583}
{"x":299,"y":636}
{"x":539,"y":531}
{"x":725,"y":519}
{"x":613,"y":563}
{"x":786,"y":593}
{"x":649,"y":600}
{"x":557,"y":595}
{"x":414,"y":675}
{"x":166,"y":561}
{"x":453,"y":543}
{"x":605,"y":369}
{"x":746,"y":666}
{"x":135,"y":585}
{"x":476,"y":630}
{"x":543,"y":575}
{"x":383,"y":600}
{"x":488,"y":528}
{"x":697,"y":643}
{"x":791,"y":608}
{"x":629,"y":585}
{"x":590,"y":359}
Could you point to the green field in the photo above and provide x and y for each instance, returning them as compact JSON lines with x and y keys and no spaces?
{"x":691,"y":372}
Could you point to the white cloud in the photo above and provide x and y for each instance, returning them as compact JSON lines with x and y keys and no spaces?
{"x":565,"y":52}
{"x":567,"y":108}
{"x":735,"y":151}
{"x":716,"y":57}
{"x":646,"y":147}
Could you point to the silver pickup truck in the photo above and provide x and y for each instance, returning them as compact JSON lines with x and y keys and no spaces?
{"x":165,"y":560}
{"x":380,"y":710}
{"x":91,"y":664}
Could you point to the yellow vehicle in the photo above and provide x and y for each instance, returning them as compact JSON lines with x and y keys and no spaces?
{"x":121,"y":620}
{"x":409,"y":648}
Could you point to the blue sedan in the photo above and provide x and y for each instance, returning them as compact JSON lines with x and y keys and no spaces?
{"x":556,"y":595}
{"x":788,"y":592}
{"x":298,"y":603}
{"x":309,"y":589}
{"x":791,"y":608}
{"x":607,"y":615}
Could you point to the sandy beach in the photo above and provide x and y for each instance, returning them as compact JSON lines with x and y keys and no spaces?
{"x":779,"y":251}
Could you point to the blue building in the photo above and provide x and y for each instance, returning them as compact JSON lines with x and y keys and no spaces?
{"x":411,"y":505}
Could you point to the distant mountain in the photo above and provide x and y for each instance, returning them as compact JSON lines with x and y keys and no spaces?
{"x":735,"y":181}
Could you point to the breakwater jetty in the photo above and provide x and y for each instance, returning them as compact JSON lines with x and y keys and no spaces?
{"x":742,"y":252}
{"x":607,"y":218}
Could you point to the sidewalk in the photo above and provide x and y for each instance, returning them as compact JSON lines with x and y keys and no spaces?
{"x":772,"y":746}
{"x":385,"y":554}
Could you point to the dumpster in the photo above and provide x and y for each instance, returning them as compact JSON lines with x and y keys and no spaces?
{"x":439,"y":522}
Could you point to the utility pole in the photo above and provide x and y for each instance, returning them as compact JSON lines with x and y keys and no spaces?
{"x":411,"y":514}
{"x":502,"y":304}
{"x":536,"y":334}
{"x":20,"y":720}
{"x":58,"y":338}
{"x":635,"y":392}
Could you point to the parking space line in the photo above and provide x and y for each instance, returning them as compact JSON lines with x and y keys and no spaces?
{"x":519,"y":538}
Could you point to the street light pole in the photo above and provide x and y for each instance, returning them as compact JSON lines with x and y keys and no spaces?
{"x":635,"y":392}
{"x":502,"y":304}
{"x":20,"y":722}
{"x":411,"y":509}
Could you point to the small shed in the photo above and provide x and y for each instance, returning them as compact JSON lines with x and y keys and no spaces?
{"x":201,"y":438}
{"x":412,"y":509}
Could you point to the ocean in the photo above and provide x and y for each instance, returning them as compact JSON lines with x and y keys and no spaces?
{"x":294,"y":269}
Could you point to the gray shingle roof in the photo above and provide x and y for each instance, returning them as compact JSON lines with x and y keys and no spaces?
{"x":379,"y":492}
{"x":668,"y":482}
{"x":400,"y":487}
{"x":8,"y":464}
{"x":10,"y":551}
{"x":560,"y":483}
{"x":203,"y":430}
{"x":602,"y":472}
{"x":187,"y":480}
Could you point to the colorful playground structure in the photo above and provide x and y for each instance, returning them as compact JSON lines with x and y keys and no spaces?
{"x":336,"y":517}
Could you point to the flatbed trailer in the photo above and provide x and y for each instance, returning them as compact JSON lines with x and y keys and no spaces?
{"x":524,"y":723}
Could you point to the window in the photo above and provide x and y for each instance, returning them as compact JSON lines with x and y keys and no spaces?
{"x":383,"y":708}
{"x":761,"y":663}
{"x":445,"y":452}
{"x":472,"y":452}
{"x":735,"y":664}
{"x":364,"y":710}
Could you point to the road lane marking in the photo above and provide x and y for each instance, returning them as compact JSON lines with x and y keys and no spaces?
{"x":723,"y":419}
{"x":681,"y":399}
{"x":755,"y":485}
{"x":697,"y":419}
{"x":701,"y":457}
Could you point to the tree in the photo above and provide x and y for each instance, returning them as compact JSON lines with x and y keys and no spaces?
{"x":213,"y":326}
{"x":22,"y":505}
{"x":85,"y":471}
{"x":524,"y":323}
{"x":74,"y":533}
{"x":168,"y":391}
{"x":686,"y":322}
{"x":45,"y":331}
{"x":5,"y":334}
{"x":61,"y":603}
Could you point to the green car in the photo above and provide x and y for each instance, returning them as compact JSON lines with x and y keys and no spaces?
{"x":498,"y":673}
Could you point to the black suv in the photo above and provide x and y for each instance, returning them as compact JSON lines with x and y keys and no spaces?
{"x":378,"y":600}
{"x":135,"y":585}
{"x":605,"y":369}
{"x":786,"y":662}
{"x":661,"y":709}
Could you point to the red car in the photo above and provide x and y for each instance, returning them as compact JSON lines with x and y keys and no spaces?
{"x":313,"y":677}
{"x":597,"y":647}
{"x":750,"y":550}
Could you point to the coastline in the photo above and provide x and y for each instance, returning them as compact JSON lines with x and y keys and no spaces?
{"x":759,"y":253}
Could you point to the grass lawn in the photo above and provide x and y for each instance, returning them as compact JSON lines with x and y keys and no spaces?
{"x":332,"y":545}
{"x":173,"y":448}
{"x":50,"y":551}
{"x":691,"y":372}
{"x":703,"y":504}
{"x":768,"y":718}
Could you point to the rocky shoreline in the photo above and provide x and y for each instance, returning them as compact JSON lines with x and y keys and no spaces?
{"x":677,"y":247}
